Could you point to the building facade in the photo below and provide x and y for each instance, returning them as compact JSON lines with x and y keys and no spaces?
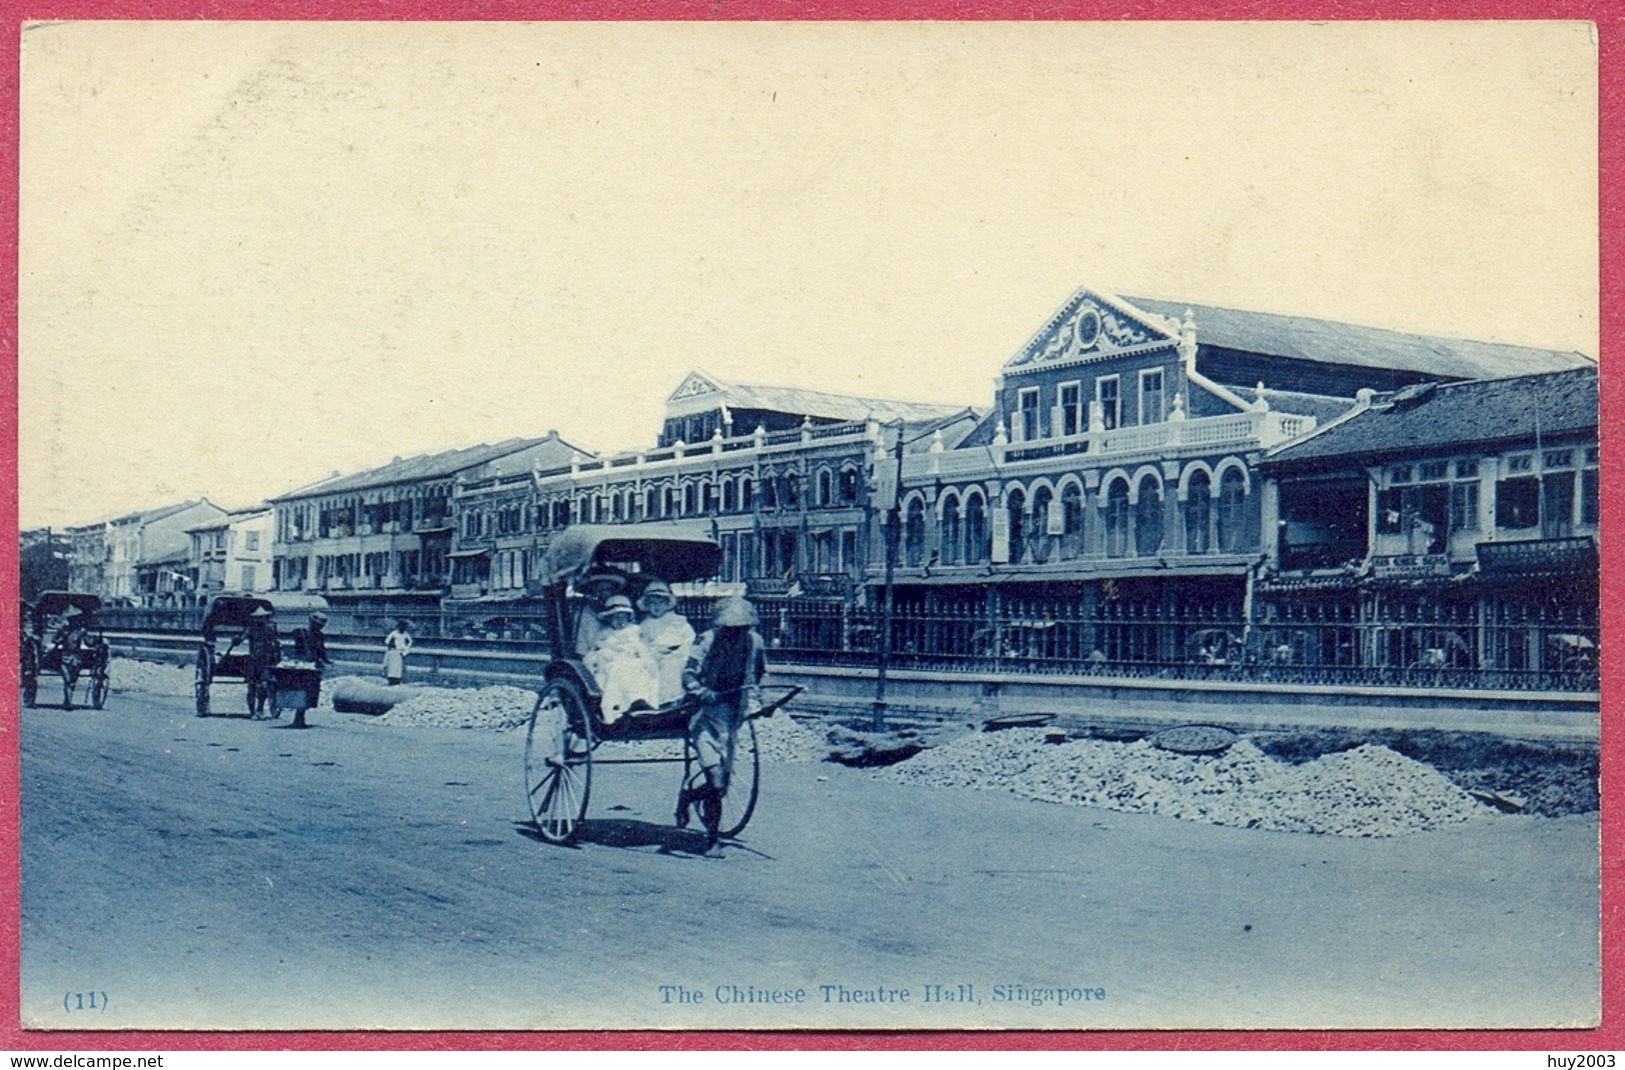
{"x":233,"y":554}
{"x":1448,"y":529}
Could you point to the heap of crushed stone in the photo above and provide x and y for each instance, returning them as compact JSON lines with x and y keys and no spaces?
{"x":1368,"y":791}
{"x":498,"y":707}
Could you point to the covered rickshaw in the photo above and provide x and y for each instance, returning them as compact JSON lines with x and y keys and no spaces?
{"x":61,"y":635}
{"x":568,"y":726}
{"x":230,"y":651}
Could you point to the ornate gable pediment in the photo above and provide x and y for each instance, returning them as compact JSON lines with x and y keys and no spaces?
{"x":1089,"y":327}
{"x":697,"y":384}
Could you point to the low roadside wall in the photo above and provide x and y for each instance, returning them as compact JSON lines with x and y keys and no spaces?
{"x":1073,"y":700}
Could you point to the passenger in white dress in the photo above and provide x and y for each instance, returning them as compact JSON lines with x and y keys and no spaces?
{"x":668,"y":635}
{"x":621,"y":663}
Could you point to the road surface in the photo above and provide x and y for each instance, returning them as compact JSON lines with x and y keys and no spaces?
{"x":226,"y":874}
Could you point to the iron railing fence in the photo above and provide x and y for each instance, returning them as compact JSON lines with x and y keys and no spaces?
{"x":1465,"y":645}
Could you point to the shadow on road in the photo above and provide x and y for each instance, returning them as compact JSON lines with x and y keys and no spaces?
{"x":622,"y":833}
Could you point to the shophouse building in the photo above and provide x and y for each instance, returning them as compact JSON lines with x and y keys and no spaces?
{"x":232,"y":555}
{"x":148,"y":551}
{"x":1443,"y":530}
{"x":89,"y":552}
{"x":382,"y":538}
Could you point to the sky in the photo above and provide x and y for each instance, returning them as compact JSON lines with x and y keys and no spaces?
{"x":254,"y":254}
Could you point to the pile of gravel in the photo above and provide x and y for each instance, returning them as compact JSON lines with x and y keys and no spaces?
{"x":500,"y":708}
{"x":1367,"y":791}
{"x":780,"y":738}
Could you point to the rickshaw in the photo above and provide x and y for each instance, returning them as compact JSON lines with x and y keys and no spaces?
{"x":223,"y":654}
{"x":60,"y":634}
{"x":567,"y":726}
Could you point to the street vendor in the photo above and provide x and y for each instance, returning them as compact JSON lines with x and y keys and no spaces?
{"x":668,"y":636}
{"x":724,"y":673}
{"x":621,"y":663}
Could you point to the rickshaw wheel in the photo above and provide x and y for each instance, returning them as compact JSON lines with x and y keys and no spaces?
{"x":558,"y":761}
{"x":739,"y":802}
{"x":200,"y":683}
{"x":30,"y":675}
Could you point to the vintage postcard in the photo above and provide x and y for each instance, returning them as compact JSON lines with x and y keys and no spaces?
{"x":833,"y":526}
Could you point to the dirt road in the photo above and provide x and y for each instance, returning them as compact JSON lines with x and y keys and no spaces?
{"x":221,"y":873}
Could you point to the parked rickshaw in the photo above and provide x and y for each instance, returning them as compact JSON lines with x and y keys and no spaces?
{"x":567,"y":727}
{"x":60,"y":634}
{"x":224,"y":653}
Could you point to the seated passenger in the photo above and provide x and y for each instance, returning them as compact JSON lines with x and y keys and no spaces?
{"x":668,"y":636}
{"x":596,"y":590}
{"x":621,"y":663}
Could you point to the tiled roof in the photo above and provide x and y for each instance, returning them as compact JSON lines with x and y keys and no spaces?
{"x":824,"y":405}
{"x":1429,"y":418}
{"x":414,"y":469}
{"x":1328,"y":342}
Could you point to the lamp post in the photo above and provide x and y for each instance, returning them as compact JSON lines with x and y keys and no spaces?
{"x":894,"y":516}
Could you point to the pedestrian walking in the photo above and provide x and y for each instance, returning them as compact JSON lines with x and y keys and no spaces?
{"x":724,"y":674}
{"x":397,"y":645}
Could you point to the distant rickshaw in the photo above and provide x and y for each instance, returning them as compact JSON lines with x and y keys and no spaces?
{"x":227,"y":653}
{"x":567,"y":726}
{"x":61,"y":635}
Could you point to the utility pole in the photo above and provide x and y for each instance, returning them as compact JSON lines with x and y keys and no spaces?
{"x":893,"y":525}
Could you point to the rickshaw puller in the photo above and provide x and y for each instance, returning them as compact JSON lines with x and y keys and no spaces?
{"x":725,"y":670}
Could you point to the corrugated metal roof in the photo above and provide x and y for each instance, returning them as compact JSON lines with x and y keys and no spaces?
{"x":1329,"y":342}
{"x":828,"y":406}
{"x":415,"y":469}
{"x":1320,"y":406}
{"x":1451,"y":416}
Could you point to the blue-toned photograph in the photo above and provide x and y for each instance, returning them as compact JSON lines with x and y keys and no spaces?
{"x":749,"y":526}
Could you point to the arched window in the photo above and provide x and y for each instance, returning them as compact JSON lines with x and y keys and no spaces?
{"x":824,"y":486}
{"x":848,"y":486}
{"x":1015,"y":507}
{"x":615,"y":507}
{"x":689,"y":500}
{"x":1232,"y":511}
{"x":1117,"y":519}
{"x":1148,"y":517}
{"x":1072,"y":519}
{"x":651,"y":504}
{"x":975,"y":530}
{"x":730,"y":496}
{"x":1198,"y":513}
{"x":668,"y":500}
{"x":914,"y":534}
{"x":708,"y":500}
{"x":745,"y":494}
{"x":792,"y":490}
{"x":1039,"y":541}
{"x":949,"y":536}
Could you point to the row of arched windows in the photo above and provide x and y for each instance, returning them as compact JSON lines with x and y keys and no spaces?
{"x":701,"y":497}
{"x":1132,"y":521}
